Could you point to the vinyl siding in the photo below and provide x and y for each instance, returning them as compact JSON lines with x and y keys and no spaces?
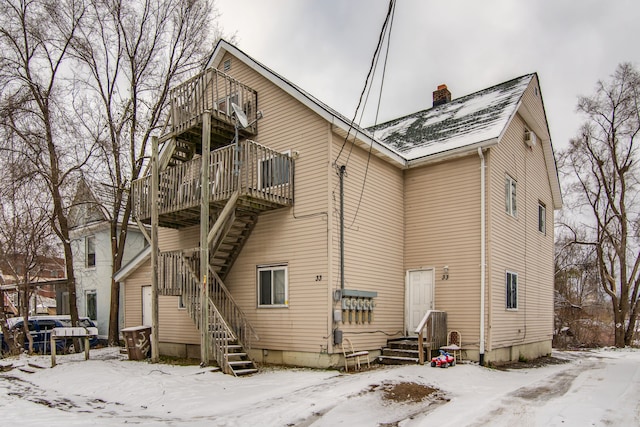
{"x":295,"y":236}
{"x":516,"y":244}
{"x":428,"y":216}
{"x":442,"y":227}
{"x":373,"y":242}
{"x":175,"y":325}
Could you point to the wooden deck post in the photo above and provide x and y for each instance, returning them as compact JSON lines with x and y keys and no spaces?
{"x":204,"y":234}
{"x":155,"y":336}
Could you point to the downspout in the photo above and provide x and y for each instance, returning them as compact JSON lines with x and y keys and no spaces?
{"x":343,"y":169}
{"x":483,"y":254}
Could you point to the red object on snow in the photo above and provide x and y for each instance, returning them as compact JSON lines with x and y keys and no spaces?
{"x":443,"y":361}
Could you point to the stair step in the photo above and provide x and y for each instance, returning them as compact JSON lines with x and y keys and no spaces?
{"x":234,"y":347}
{"x":245,"y":371}
{"x":239,"y":362}
{"x":397,"y":360}
{"x":391,"y":352}
{"x":236,"y":354}
{"x":404,"y":344}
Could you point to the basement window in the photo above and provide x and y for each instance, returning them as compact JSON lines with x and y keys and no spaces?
{"x":273,"y":286}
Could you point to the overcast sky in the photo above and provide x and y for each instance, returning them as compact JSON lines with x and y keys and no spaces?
{"x":325,"y":47}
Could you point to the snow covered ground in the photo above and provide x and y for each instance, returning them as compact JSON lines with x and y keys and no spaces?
{"x":594,"y":388}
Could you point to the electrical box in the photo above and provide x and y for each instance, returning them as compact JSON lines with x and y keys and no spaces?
{"x":337,"y":315}
{"x":337,"y":337}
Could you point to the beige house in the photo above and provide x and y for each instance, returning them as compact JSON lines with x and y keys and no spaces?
{"x":449,"y":209}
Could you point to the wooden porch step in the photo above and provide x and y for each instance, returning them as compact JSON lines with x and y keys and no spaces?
{"x":245,"y":371}
{"x":397,"y":360}
{"x":239,"y":362}
{"x":237,"y":355}
{"x":400,"y":352}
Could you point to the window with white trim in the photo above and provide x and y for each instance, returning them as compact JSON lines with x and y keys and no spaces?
{"x":512,"y":290}
{"x":90,"y":251}
{"x":223,"y":105}
{"x":510,"y":196}
{"x":273,"y":286}
{"x":91,"y":300}
{"x":275,"y":170}
{"x":542,"y":218}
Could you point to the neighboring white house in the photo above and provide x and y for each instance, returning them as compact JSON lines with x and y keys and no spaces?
{"x":91,"y":246}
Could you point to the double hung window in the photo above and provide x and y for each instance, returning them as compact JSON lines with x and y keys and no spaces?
{"x":510,"y":196}
{"x":272,"y":286}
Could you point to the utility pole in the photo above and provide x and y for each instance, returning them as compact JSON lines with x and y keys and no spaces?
{"x":204,"y":242}
{"x":155,"y":340}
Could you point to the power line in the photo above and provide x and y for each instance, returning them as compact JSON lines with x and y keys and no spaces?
{"x":384,"y":70}
{"x":369,"y":74}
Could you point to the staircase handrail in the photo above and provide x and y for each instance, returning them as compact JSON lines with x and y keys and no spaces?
{"x":220,"y":338}
{"x":427,"y":320}
{"x":236,"y":316}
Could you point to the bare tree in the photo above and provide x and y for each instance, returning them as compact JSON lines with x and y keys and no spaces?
{"x":602,"y":166}
{"x":129,"y":54}
{"x":35,"y":111}
{"x":26,"y":239}
{"x":582,"y":317}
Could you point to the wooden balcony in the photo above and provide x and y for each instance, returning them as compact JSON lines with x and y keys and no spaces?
{"x":212,"y":91}
{"x":263,"y":179}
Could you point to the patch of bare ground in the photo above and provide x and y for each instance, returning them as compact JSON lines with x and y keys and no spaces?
{"x":525,"y":363}
{"x":404,"y":391}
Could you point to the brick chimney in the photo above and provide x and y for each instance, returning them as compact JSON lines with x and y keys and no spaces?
{"x":441,"y":96}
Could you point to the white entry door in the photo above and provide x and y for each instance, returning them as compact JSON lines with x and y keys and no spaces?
{"x":146,"y":305}
{"x":419,"y":292}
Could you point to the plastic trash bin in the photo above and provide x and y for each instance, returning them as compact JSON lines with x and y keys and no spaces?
{"x":138,"y":339}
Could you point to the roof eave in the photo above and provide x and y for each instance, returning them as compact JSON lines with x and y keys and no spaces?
{"x":142,"y":256}
{"x":542,"y":131}
{"x":288,"y":87}
{"x":452,"y":154}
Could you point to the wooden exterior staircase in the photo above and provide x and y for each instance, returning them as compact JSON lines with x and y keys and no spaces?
{"x":432,"y":334}
{"x":230,"y":330}
{"x":245,"y":179}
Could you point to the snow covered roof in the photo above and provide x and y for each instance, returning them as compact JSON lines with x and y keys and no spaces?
{"x":445,"y":131}
{"x":475,"y":118}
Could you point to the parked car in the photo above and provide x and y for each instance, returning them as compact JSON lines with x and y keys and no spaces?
{"x":40,"y":329}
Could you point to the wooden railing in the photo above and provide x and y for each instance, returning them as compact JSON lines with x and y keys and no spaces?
{"x":432,"y":329}
{"x":227,"y":321}
{"x":213,"y":91}
{"x":221,"y":334}
{"x":230,"y":311}
{"x":254,"y":170}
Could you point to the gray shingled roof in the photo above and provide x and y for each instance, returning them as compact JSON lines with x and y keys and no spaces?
{"x":474,"y":118}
